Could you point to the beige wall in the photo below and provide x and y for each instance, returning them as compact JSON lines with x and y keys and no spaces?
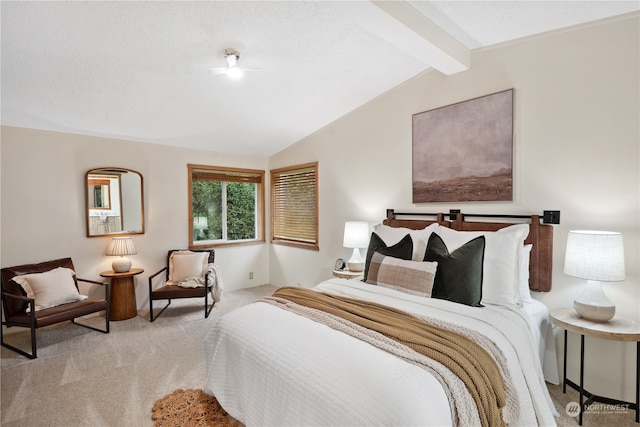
{"x":43,"y":204}
{"x":576,"y":149}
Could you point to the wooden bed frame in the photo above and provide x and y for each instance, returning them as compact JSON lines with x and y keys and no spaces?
{"x":540,"y":236}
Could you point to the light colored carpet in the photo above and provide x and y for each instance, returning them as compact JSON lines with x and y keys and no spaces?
{"x":598,"y":416}
{"x":86,"y":378}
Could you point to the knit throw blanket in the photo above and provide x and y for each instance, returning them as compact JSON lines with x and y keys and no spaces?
{"x":470,"y":377}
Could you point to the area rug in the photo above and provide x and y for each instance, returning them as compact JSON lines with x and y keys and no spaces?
{"x":190,"y":408}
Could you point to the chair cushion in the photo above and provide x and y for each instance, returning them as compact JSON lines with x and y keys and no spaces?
{"x":60,"y":313}
{"x":186,"y":264}
{"x":50,"y":288}
{"x":171,"y":292}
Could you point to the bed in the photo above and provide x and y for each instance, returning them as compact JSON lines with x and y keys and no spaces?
{"x":322,"y":357}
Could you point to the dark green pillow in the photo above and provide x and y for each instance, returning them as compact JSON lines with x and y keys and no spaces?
{"x":403,"y":250}
{"x":459,"y":274}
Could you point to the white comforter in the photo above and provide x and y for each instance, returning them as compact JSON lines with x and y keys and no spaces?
{"x":268,"y":366}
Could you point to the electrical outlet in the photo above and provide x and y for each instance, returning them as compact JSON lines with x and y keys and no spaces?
{"x":250,"y":275}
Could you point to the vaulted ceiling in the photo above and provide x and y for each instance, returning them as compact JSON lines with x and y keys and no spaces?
{"x":141,"y":70}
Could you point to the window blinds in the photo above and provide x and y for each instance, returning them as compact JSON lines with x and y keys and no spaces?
{"x":294,"y":204}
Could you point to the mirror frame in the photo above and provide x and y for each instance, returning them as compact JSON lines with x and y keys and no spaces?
{"x":112,"y":171}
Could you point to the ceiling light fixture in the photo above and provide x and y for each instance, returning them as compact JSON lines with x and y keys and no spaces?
{"x":233,"y":70}
{"x":232,"y":56}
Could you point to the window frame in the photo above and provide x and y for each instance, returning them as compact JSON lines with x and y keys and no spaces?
{"x":222,"y":172}
{"x":312,"y":245}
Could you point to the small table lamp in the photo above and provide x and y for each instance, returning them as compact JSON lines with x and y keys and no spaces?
{"x":200,"y":223}
{"x":356,"y":236}
{"x":596,"y":256}
{"x":121,"y":246}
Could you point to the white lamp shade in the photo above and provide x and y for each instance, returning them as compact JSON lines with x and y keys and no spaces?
{"x":121,"y":246}
{"x":356,"y":234}
{"x":595,"y":255}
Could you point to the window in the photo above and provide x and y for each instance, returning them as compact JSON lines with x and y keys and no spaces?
{"x":294,"y":206}
{"x":226,"y":206}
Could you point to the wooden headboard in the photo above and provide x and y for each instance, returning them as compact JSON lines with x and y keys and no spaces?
{"x":540,"y":236}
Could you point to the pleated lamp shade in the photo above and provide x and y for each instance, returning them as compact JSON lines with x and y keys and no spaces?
{"x":121,"y":246}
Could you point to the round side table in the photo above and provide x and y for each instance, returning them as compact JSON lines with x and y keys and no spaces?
{"x":617,"y":329}
{"x":122,"y":294}
{"x":346,"y":274}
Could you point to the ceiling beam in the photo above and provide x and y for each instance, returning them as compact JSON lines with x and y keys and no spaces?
{"x":402,"y":25}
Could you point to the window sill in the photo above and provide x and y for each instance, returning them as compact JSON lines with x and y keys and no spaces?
{"x":225,"y":244}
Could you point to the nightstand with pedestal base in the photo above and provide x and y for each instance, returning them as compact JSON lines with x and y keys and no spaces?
{"x":617,"y":329}
{"x":122,"y":294}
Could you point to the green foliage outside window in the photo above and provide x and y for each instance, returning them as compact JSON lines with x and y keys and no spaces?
{"x":241,"y":208}
{"x":208,"y":200}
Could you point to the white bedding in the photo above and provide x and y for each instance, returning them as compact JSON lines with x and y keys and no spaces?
{"x":269,"y":366}
{"x":546,"y":341}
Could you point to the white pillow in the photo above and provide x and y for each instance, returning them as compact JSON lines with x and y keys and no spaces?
{"x":501,"y":266}
{"x":392,"y":235}
{"x":51,"y":288}
{"x":186,"y":264}
{"x":525,"y":255}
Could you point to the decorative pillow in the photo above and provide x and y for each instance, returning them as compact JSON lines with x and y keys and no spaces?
{"x":186,"y":264}
{"x":459,"y":274}
{"x":525,"y":255}
{"x":403,"y":250}
{"x":411,"y":277}
{"x":501,"y":272}
{"x":392,"y":235}
{"x":51,"y":288}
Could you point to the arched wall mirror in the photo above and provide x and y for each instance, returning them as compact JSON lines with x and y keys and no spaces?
{"x":114,"y":202}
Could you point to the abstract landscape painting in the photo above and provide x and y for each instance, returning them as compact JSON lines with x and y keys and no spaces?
{"x":464,"y":152}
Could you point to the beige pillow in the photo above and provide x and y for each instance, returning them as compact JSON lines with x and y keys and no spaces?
{"x":411,"y":277}
{"x":186,"y":264}
{"x":51,"y":288}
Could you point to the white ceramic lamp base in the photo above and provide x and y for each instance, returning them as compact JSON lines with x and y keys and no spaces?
{"x":593,"y":304}
{"x":121,"y":265}
{"x":355,"y":263}
{"x":594,"y":312}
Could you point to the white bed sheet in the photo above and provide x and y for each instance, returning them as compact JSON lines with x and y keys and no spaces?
{"x":268,"y":366}
{"x":546,"y":342}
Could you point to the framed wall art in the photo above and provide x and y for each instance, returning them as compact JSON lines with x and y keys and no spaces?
{"x":464,"y":152}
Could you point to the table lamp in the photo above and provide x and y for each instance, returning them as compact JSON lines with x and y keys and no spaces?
{"x":200,"y":223}
{"x":356,"y":236}
{"x":596,"y":256}
{"x":121,"y":246}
